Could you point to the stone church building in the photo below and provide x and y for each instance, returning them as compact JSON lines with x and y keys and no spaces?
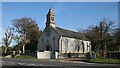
{"x":56,"y":42}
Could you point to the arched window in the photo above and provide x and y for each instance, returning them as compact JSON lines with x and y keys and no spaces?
{"x":42,"y":40}
{"x":87,"y":46}
{"x":52,"y":18}
{"x":54,"y":43}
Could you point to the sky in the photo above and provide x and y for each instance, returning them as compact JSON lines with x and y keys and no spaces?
{"x":119,"y":14}
{"x":68,"y":15}
{"x":60,"y":0}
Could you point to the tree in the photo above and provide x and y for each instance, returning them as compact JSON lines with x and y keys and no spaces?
{"x":117,"y":39}
{"x":18,"y":43}
{"x":28,"y":31}
{"x":105,"y":29}
{"x":100,"y":35}
{"x":8,"y":36}
{"x":3,"y":49}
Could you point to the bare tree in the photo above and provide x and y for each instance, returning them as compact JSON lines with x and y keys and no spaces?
{"x":8,"y":36}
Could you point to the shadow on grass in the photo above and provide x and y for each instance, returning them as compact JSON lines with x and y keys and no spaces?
{"x":59,"y":67}
{"x":6,"y":66}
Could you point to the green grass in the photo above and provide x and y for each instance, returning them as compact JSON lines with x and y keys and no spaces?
{"x":1,"y":57}
{"x":25,"y":57}
{"x":99,"y":60}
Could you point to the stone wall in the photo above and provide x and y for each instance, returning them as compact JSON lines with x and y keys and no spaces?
{"x":44,"y":55}
{"x":47,"y":55}
{"x":113,"y":55}
{"x":71,"y":55}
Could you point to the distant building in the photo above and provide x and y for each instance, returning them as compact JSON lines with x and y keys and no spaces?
{"x":56,"y":42}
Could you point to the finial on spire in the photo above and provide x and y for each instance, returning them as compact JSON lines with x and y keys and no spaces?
{"x":50,"y":11}
{"x":50,"y":7}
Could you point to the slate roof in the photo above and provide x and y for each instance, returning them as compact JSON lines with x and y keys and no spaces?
{"x":71,"y":34}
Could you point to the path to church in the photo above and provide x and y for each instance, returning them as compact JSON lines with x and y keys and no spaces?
{"x":24,"y":63}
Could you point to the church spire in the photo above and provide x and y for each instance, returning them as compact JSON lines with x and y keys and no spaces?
{"x":50,"y":11}
{"x":50,"y":18}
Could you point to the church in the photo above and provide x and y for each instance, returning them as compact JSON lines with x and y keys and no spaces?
{"x":56,"y":42}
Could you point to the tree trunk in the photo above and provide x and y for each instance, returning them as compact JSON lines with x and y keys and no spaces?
{"x":6,"y":50}
{"x":19,"y":52}
{"x":23,"y":48}
{"x":105,"y":52}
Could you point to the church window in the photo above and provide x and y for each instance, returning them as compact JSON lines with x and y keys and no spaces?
{"x":52,"y":18}
{"x":87,"y":46}
{"x":66,"y":45}
{"x":77,"y":46}
{"x":47,"y":32}
{"x":42,"y":41}
{"x":54,"y":42}
{"x":83,"y":48}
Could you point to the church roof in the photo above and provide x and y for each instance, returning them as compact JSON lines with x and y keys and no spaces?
{"x":71,"y":34}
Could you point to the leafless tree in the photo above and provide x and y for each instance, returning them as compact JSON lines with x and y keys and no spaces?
{"x":7,"y":39}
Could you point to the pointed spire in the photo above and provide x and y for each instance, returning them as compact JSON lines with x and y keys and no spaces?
{"x":50,"y":11}
{"x":50,"y":18}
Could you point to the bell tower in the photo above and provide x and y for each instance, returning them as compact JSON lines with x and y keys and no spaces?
{"x":50,"y":18}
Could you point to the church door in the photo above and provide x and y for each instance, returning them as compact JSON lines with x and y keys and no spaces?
{"x":48,"y":47}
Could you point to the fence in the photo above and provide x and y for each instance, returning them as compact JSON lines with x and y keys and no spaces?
{"x":71,"y":55}
{"x":113,"y":55}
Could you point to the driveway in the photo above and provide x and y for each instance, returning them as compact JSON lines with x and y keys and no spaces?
{"x":34,"y":63}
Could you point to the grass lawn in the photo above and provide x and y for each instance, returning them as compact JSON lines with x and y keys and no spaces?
{"x":100,"y":60}
{"x":25,"y":57}
{"x":1,"y":57}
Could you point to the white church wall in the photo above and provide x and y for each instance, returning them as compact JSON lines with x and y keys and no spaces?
{"x":72,"y":44}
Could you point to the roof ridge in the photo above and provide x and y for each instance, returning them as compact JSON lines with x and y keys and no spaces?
{"x":68,"y":30}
